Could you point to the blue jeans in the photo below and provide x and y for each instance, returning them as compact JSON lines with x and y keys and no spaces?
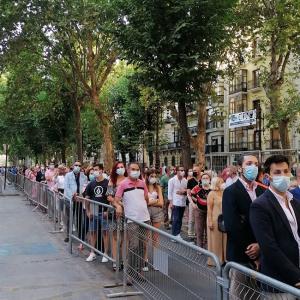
{"x":177,"y":215}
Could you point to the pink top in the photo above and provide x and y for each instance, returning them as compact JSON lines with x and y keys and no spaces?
{"x":50,"y":177}
{"x":251,"y":192}
{"x":133,"y":194}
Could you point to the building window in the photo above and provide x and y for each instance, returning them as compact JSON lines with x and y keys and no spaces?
{"x":173,"y":161}
{"x":166,"y":161}
{"x":238,"y":104}
{"x":255,"y":77}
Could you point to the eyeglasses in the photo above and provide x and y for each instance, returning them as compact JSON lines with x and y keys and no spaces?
{"x":77,"y":165}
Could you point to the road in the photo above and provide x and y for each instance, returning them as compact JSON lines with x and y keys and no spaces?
{"x":36,"y":264}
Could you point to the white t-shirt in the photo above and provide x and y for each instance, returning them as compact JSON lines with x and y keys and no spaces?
{"x":60,"y":180}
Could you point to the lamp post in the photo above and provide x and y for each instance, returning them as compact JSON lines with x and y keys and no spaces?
{"x":5,"y":148}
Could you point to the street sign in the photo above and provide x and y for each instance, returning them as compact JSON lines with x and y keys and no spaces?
{"x":246,"y":118}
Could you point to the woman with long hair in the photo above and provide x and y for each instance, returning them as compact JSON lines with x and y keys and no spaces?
{"x":216,"y":240}
{"x":117,"y":175}
{"x":155,"y":208}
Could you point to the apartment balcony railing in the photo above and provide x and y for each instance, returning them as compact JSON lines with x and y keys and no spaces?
{"x":242,"y":146}
{"x":241,"y":87}
{"x":213,"y":148}
{"x":214,"y":125}
{"x":170,"y":146}
{"x":273,"y":144}
{"x":255,"y":84}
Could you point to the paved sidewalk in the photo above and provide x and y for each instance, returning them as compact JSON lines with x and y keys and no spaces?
{"x":36,"y":265}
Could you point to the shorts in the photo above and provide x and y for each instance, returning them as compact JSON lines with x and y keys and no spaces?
{"x":98,"y":222}
{"x":156,"y":214}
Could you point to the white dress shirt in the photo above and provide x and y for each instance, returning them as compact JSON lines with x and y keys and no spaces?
{"x":251,"y":192}
{"x":290,"y":214}
{"x":175,"y":185}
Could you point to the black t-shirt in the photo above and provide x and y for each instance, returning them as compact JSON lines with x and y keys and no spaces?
{"x":96,"y":191}
{"x":191,"y":183}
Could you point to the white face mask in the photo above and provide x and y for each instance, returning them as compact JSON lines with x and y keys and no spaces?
{"x":97,"y":173}
{"x":190,"y":173}
{"x":76,"y":169}
{"x":152,"y":180}
{"x":120,"y":171}
{"x":51,"y":167}
{"x":135,"y":174}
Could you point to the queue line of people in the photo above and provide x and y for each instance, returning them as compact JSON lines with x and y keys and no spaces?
{"x":260,"y":214}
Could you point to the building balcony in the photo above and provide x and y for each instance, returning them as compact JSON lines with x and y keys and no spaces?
{"x":255,"y":84}
{"x":214,"y":148}
{"x":170,"y":146}
{"x":242,"y":87}
{"x":242,"y":146}
{"x":214,"y":125}
{"x":273,"y":144}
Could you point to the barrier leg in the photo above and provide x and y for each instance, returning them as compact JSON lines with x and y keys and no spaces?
{"x":124,"y":293}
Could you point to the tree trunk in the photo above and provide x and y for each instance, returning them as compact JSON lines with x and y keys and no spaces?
{"x":274,"y":94}
{"x":78,"y":132}
{"x":63,"y":153}
{"x":185,"y":135}
{"x":284,"y":134}
{"x":109,"y":154}
{"x":157,"y":159}
{"x":201,"y":136}
{"x":123,"y":155}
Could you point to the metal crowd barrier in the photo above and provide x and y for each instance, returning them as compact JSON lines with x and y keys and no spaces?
{"x":165,"y":267}
{"x":11,"y":177}
{"x":160,"y":265}
{"x":243,"y":283}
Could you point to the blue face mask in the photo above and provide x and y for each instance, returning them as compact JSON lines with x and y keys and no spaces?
{"x":250,"y":172}
{"x":281,"y":183}
{"x":91,"y":177}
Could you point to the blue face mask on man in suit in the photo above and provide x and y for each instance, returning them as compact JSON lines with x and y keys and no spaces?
{"x":250,"y":172}
{"x":281,"y":183}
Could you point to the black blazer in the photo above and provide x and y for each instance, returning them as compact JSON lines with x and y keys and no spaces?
{"x":236,"y":206}
{"x":279,"y":249}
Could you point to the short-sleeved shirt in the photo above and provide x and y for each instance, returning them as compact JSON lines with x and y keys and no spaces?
{"x":133,"y":193}
{"x":164,"y":184}
{"x":192,"y":183}
{"x":96,"y":191}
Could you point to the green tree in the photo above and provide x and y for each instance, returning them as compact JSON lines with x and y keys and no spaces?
{"x":275,"y":25}
{"x":177,"y":44}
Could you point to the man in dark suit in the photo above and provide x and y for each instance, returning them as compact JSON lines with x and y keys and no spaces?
{"x":237,"y":199}
{"x":275,"y":219}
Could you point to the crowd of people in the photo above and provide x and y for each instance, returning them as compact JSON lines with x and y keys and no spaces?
{"x":248,"y":213}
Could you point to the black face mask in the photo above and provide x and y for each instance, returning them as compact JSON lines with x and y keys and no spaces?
{"x":195,"y":174}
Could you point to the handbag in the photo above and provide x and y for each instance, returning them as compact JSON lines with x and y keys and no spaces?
{"x":221,"y":224}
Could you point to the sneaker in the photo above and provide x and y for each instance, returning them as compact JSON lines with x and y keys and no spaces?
{"x":104,"y":259}
{"x":91,"y":257}
{"x":179,"y":237}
